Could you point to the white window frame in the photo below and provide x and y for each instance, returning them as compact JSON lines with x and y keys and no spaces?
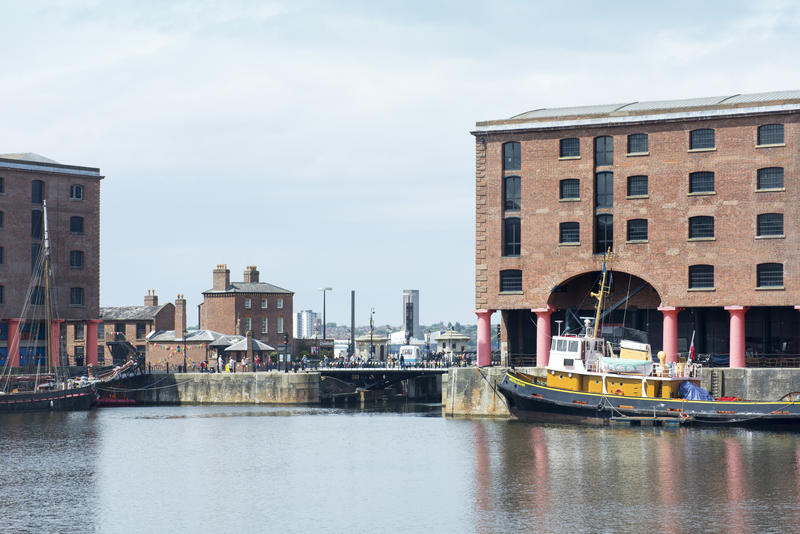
{"x":248,"y":303}
{"x":280,"y":304}
{"x":265,"y":326}
{"x":280,"y":325}
{"x":264,"y":303}
{"x":76,"y":192}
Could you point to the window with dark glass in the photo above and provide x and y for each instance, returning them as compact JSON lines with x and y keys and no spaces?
{"x":701,"y":277}
{"x":637,"y":143}
{"x":604,"y":150}
{"x":770,"y":134}
{"x":701,"y":182}
{"x":79,"y":331}
{"x":511,"y":193}
{"x":770,"y":178}
{"x":604,"y":189}
{"x":37,"y":191}
{"x":37,"y":222}
{"x":570,"y":147}
{"x":1,"y":219}
{"x":637,"y":186}
{"x":703,"y":138}
{"x":141,"y":330}
{"x":701,"y":227}
{"x":2,"y":288}
{"x":603,"y":233}
{"x":36,"y":250}
{"x":76,"y":296}
{"x":37,"y":295}
{"x":2,"y":185}
{"x":511,"y":156}
{"x":770,"y":224}
{"x":511,"y":280}
{"x":569,"y":188}
{"x":569,"y":232}
{"x":637,"y":230}
{"x":511,"y":237}
{"x":76,"y":192}
{"x":76,"y":259}
{"x":1,"y":255}
{"x":769,"y":275}
{"x":76,"y":225}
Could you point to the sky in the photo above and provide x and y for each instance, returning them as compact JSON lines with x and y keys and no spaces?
{"x":328,"y":143}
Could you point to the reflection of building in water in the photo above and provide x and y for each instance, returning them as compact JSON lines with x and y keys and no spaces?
{"x":692,"y":196}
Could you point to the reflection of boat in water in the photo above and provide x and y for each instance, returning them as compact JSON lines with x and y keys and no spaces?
{"x":587,"y":381}
{"x":44,"y":389}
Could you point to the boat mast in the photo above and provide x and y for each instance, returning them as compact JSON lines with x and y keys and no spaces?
{"x":599,"y":294}
{"x":48,"y":312}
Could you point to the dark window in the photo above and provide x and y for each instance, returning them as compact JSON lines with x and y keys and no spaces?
{"x":637,"y":230}
{"x":569,"y":232}
{"x":701,"y":182}
{"x":141,"y":330}
{"x":79,"y":331}
{"x":769,"y":275}
{"x":511,"y":193}
{"x":603,"y":233}
{"x":1,"y":219}
{"x":37,"y":191}
{"x":76,"y":296}
{"x":37,"y":295}
{"x":770,"y":224}
{"x":637,"y":143}
{"x":36,"y":250}
{"x":76,"y":192}
{"x":2,"y":185}
{"x":1,"y":255}
{"x":637,"y":186}
{"x":770,"y":178}
{"x":569,"y":188}
{"x":511,"y":280}
{"x":604,"y":150}
{"x":570,"y":148}
{"x":511,"y":157}
{"x":76,"y":225}
{"x":703,"y":138}
{"x":770,"y":134}
{"x":701,"y":227}
{"x":701,"y":277}
{"x":511,"y":238}
{"x":76,"y":259}
{"x":604,"y":190}
{"x":1,"y":294}
{"x":37,"y":222}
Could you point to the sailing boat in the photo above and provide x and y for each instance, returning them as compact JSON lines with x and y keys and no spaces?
{"x":588,"y":382}
{"x":46,"y":388}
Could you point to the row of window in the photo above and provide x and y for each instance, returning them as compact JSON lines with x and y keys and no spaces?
{"x":700,"y":139}
{"x":248,"y":303}
{"x":36,"y":297}
{"x":248,"y":324}
{"x":768,"y":275}
{"x":767,"y":179}
{"x":75,"y":257}
{"x":37,"y":191}
{"x":37,"y":224}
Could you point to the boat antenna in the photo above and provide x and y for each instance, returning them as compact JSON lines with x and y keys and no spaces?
{"x":604,"y":290}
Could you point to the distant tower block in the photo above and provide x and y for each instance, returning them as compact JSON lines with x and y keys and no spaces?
{"x":411,"y":313}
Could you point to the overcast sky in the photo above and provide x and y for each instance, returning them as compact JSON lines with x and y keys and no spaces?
{"x":328,"y":142}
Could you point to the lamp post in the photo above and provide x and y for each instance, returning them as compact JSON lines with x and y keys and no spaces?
{"x":324,"y":291}
{"x":371,"y":329}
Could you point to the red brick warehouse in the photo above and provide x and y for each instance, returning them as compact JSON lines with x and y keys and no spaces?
{"x":694,"y":197}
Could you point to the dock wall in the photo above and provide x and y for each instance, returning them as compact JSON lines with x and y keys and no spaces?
{"x":225,"y":388}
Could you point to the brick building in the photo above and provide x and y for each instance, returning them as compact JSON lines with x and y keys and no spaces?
{"x":694,"y":197}
{"x":236,"y":307}
{"x":72,"y":196}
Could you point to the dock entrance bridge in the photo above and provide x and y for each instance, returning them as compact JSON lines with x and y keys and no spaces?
{"x":378,"y":378}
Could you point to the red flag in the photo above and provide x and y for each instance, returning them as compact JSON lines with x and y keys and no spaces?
{"x":691,"y":350}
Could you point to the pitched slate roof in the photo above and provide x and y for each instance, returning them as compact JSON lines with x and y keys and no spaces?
{"x":129,"y":313}
{"x":241,"y":346}
{"x":250,"y":287}
{"x":164,"y":336}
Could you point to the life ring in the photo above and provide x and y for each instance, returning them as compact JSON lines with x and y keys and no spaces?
{"x":619,"y":391}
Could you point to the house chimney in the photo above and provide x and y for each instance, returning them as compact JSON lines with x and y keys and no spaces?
{"x":180,"y":316}
{"x":251,"y":274}
{"x":151,"y":299}
{"x":222,"y":278}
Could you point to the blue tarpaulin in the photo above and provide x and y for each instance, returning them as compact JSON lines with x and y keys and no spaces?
{"x":691,"y":391}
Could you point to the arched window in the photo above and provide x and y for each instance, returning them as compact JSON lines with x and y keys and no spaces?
{"x":701,"y":227}
{"x":569,"y":147}
{"x":769,"y":224}
{"x":37,"y":191}
{"x":511,"y":193}
{"x":637,"y":144}
{"x":701,"y":182}
{"x":569,"y":188}
{"x":701,"y":277}
{"x":604,"y":189}
{"x":511,"y":236}
{"x":76,"y":224}
{"x":76,"y":296}
{"x":702,"y":138}
{"x":770,"y":134}
{"x":637,"y":230}
{"x":511,"y":156}
{"x":769,"y":275}
{"x":603,"y":233}
{"x":76,"y":259}
{"x":569,"y":232}
{"x":511,"y":280}
{"x":770,"y":178}
{"x":637,"y":186}
{"x":604,"y":150}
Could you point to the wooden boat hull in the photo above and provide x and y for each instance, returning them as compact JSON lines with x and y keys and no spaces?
{"x":44,"y":401}
{"x":528,"y":400}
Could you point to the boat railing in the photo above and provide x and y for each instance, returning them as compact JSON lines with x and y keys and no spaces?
{"x":522,"y":360}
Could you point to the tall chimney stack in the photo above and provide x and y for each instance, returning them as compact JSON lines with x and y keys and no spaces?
{"x":151,"y":299}
{"x":251,"y":274}
{"x":180,"y":317}
{"x":222,"y":278}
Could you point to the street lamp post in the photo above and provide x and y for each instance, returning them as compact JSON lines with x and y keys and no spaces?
{"x":371,"y":329}
{"x":324,"y":291}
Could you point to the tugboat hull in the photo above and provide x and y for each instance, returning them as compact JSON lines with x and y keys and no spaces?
{"x":528,"y":400}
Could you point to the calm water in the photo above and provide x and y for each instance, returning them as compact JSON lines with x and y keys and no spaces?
{"x":246,"y":469}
